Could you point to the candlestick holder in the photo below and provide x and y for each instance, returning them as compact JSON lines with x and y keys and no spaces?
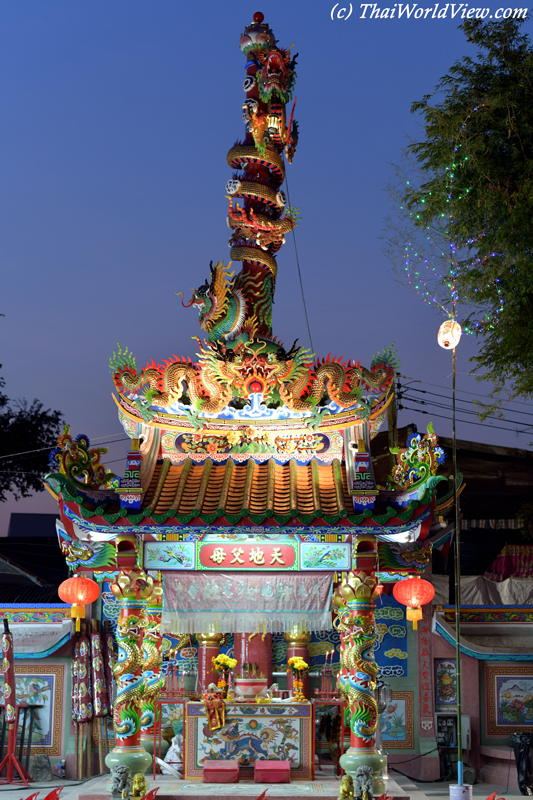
{"x":328,"y":684}
{"x":174,"y":688}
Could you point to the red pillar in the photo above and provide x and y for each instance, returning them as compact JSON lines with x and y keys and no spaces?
{"x":254,"y":649}
{"x":297,"y":645}
{"x":208,"y":648}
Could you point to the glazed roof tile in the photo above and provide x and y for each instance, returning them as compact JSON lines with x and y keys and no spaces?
{"x":256,"y":488}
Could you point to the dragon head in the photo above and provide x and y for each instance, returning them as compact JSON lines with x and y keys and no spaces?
{"x":204,"y":301}
{"x":130,"y":628}
{"x":276,"y":74}
{"x":211,"y":298}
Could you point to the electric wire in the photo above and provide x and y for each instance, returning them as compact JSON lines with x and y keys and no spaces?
{"x":443,"y":407}
{"x":37,"y":471}
{"x":298,"y":265}
{"x":460,"y":400}
{"x":42,"y":449}
{"x":464,"y":421}
{"x":463,"y":391}
{"x":467,"y":411}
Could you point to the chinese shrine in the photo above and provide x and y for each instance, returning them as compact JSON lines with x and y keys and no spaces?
{"x":246,"y":558}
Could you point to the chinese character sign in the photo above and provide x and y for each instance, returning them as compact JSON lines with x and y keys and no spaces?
{"x":424,"y":674}
{"x":245,"y":556}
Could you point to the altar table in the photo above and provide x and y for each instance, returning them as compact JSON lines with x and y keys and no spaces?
{"x":275,"y":731}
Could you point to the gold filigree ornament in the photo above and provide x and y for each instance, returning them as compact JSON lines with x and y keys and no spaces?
{"x":357,"y":586}
{"x":133,"y":585}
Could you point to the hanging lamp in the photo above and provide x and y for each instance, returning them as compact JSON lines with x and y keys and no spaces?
{"x":79,"y":592}
{"x":414,"y":593}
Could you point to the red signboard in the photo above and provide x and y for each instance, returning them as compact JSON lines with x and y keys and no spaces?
{"x":241,"y":556}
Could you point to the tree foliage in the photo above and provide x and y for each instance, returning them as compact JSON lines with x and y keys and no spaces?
{"x":477,"y":162}
{"x":25,"y":427}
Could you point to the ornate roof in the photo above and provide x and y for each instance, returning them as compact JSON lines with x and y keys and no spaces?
{"x":252,"y":432}
{"x":238,"y":490}
{"x":206,"y":493}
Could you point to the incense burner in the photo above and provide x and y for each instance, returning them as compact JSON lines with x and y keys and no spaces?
{"x":250,"y":688}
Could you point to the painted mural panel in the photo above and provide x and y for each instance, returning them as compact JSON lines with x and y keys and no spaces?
{"x":251,"y":733}
{"x":509,"y":699}
{"x":169,"y":555}
{"x":390,"y":650}
{"x":445,"y":681}
{"x":325,"y":556}
{"x":397,"y":722}
{"x":110,"y":607}
{"x":42,"y":686}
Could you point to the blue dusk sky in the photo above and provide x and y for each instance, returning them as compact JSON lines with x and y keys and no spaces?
{"x":116,"y":119}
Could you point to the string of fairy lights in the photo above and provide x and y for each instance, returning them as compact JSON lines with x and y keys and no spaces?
{"x":433,"y":262}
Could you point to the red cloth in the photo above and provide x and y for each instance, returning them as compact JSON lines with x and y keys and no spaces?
{"x":221,"y":772}
{"x":99,"y":688}
{"x":10,"y":688}
{"x":214,"y":709}
{"x":514,"y":561}
{"x":272,"y":772}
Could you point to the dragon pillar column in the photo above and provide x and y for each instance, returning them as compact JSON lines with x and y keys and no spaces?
{"x":152,"y":660}
{"x":297,"y":645}
{"x":208,"y":648}
{"x":132,"y":589}
{"x":354,"y":601}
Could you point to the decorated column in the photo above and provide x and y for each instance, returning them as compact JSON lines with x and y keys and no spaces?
{"x":254,"y":648}
{"x":298,"y":647}
{"x":354,"y":601}
{"x":152,"y":660}
{"x":132,"y":589}
{"x":208,"y":648}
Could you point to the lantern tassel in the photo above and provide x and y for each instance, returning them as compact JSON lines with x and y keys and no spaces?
{"x":413,"y":614}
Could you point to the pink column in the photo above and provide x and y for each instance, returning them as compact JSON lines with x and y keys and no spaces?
{"x":208,"y":648}
{"x":297,"y":645}
{"x":254,"y":649}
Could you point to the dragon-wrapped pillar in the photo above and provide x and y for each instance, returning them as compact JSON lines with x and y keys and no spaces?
{"x":132,"y":590}
{"x":354,"y":602}
{"x":152,"y":678}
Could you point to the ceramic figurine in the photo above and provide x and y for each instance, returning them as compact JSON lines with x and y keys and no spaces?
{"x":120,"y":782}
{"x":139,"y":787}
{"x":364,"y":788}
{"x":346,"y":788}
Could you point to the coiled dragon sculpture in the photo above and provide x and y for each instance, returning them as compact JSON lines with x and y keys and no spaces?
{"x":353,"y":600}
{"x":130,"y":684}
{"x":241,"y":356}
{"x":152,"y":659}
{"x":131,"y":590}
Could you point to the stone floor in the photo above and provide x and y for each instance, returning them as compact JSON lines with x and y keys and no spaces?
{"x":325,"y":786}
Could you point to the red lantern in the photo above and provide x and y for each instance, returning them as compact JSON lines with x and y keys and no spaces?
{"x":413,"y":593}
{"x":79,"y":592}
